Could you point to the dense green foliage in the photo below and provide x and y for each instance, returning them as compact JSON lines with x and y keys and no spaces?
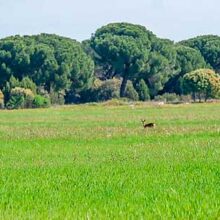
{"x":108,"y":89}
{"x":187,"y":60}
{"x":204,"y":83}
{"x":160,"y":65}
{"x":20,"y":98}
{"x":209,"y":47}
{"x":123,"y":50}
{"x":95,"y":162}
{"x":142,"y":90}
{"x":54,"y":62}
{"x":132,"y":52}
{"x":25,"y":83}
{"x":102,"y":90}
{"x":41,"y":102}
{"x":130,"y":92}
{"x":63,"y":70}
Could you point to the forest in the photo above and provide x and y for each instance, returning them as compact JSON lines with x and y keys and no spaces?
{"x":119,"y":61}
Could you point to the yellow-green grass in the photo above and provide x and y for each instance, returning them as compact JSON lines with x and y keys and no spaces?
{"x":97,"y":162}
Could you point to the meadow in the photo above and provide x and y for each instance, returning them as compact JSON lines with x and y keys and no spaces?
{"x":97,"y":162}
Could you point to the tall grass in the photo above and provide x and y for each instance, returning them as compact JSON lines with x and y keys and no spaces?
{"x":97,"y":162}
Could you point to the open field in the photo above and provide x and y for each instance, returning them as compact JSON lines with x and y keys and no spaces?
{"x":97,"y":162}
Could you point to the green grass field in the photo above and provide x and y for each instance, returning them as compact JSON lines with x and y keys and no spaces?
{"x":97,"y":162}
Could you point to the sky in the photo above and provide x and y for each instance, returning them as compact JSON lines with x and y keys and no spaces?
{"x":78,"y":19}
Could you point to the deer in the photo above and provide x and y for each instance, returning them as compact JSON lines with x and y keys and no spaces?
{"x":147,"y":125}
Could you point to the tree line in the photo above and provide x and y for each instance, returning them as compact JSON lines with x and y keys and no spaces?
{"x":120,"y":60}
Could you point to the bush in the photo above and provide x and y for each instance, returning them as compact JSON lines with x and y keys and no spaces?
{"x":89,"y":95}
{"x":12,"y":83}
{"x":15,"y":102}
{"x":202,"y":83}
{"x":106,"y":90}
{"x":1,"y":100}
{"x":20,"y":98}
{"x":130,"y":92}
{"x":57,"y":98}
{"x":41,"y":102}
{"x":42,"y":91}
{"x":27,"y":83}
{"x":28,"y":98}
{"x":142,"y":90}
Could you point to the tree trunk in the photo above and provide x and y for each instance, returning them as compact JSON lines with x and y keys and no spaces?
{"x":123,"y":87}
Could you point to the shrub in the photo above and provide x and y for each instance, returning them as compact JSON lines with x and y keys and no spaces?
{"x":42,"y":91}
{"x":28,"y":98}
{"x":27,"y":83}
{"x":41,"y":102}
{"x":1,"y":100}
{"x":20,"y":98}
{"x":15,"y":102}
{"x":57,"y":98}
{"x":202,"y":83}
{"x":89,"y":95}
{"x":12,"y":83}
{"x":130,"y":92}
{"x":107,"y":90}
{"x":142,"y":90}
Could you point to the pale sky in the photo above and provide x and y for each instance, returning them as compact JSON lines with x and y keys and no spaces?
{"x":78,"y":19}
